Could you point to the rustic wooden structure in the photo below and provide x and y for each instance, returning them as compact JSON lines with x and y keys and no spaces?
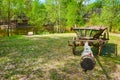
{"x":93,"y":35}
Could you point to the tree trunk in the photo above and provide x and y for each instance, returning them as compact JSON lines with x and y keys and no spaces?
{"x":8,"y":30}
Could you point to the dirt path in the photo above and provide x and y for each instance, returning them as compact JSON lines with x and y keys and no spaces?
{"x":65,"y":35}
{"x":115,"y":34}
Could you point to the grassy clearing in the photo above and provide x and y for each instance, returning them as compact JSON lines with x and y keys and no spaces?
{"x":48,"y":57}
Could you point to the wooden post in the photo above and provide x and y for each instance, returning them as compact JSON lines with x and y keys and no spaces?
{"x":99,"y":50}
{"x":100,"y":43}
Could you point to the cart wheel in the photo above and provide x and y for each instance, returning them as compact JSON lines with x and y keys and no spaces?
{"x":74,"y":47}
{"x":74,"y":50}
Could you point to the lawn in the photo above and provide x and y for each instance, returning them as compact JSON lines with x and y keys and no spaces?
{"x":48,"y":57}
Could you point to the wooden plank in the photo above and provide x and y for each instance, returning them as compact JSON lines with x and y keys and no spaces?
{"x":90,"y":28}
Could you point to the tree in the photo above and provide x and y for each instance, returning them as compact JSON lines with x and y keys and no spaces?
{"x":6,"y":13}
{"x":37,"y":15}
{"x":94,"y":12}
{"x":71,"y":12}
{"x":80,"y":13}
{"x":111,"y":14}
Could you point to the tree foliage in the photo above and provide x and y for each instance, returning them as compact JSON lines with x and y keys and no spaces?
{"x":109,"y":14}
{"x":61,"y":14}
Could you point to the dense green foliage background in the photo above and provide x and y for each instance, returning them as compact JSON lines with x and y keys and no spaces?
{"x":60,"y":15}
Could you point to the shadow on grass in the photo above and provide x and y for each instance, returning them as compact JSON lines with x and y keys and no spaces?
{"x":103,"y":69}
{"x":109,"y":49}
{"x":79,"y":50}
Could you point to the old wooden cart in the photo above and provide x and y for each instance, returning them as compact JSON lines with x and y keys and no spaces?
{"x":93,"y":35}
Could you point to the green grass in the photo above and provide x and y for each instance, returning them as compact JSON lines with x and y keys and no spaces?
{"x":48,"y":57}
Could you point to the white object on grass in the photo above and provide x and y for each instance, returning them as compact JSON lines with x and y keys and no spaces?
{"x":30,"y":33}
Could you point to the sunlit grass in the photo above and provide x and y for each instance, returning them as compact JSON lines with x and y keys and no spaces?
{"x":49,"y":57}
